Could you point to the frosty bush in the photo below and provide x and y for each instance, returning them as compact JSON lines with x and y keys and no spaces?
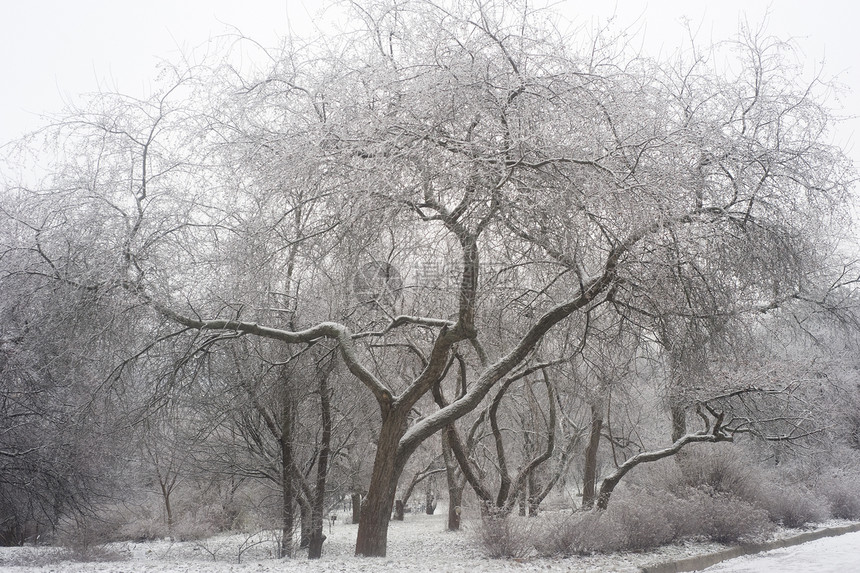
{"x":642,"y":520}
{"x":792,"y":506}
{"x":87,"y":540}
{"x":639,"y":520}
{"x":727,"y":470}
{"x":727,"y":519}
{"x":581,"y":533}
{"x":506,"y":537}
{"x":721,"y":469}
{"x":842,"y":493}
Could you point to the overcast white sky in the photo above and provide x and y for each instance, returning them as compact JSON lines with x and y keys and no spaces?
{"x":52,"y":50}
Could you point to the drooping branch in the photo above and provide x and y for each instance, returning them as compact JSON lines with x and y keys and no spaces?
{"x":332,"y":330}
{"x":717,"y":433}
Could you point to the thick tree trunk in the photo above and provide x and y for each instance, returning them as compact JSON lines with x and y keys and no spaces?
{"x":316,"y":539}
{"x":372,"y":539}
{"x":679,"y":420}
{"x":455,"y":485}
{"x":455,"y":506}
{"x":304,"y":521}
{"x":589,"y":479}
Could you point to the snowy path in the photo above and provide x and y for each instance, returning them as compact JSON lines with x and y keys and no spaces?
{"x":829,"y":555}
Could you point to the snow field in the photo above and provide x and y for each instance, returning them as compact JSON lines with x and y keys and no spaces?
{"x":418,"y":544}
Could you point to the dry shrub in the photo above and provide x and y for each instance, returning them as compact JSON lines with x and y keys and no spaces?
{"x":725,"y":518}
{"x":842,"y":493}
{"x":722,"y":469}
{"x":653,"y":518}
{"x":580,"y":533}
{"x":505,"y":536}
{"x":643,"y":520}
{"x":711,"y":494}
{"x":145,"y":527}
{"x":639,"y":520}
{"x":792,"y":506}
{"x":87,"y":540}
{"x":727,"y":470}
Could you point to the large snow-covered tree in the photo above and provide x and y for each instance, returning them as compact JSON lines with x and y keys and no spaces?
{"x":440,"y":178}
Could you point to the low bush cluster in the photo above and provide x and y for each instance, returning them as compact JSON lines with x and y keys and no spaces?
{"x":842,"y":494}
{"x":638,"y":520}
{"x":726,"y":470}
{"x":715,"y":495}
{"x":505,"y":537}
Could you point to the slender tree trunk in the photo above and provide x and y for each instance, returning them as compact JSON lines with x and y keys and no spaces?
{"x":400,"y":504}
{"x":288,"y":514}
{"x":429,"y":501}
{"x":165,"y":494}
{"x":609,"y":483}
{"x":318,"y":508}
{"x":372,"y":539}
{"x":533,"y":495}
{"x":589,"y":478}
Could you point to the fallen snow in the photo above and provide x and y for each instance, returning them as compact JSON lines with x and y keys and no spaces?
{"x":828,"y":555}
{"x":419,"y":543}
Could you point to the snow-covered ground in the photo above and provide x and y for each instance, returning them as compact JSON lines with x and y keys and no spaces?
{"x":829,"y":555}
{"x":419,"y":543}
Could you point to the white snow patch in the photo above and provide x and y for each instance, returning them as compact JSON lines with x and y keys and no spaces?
{"x":828,"y":555}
